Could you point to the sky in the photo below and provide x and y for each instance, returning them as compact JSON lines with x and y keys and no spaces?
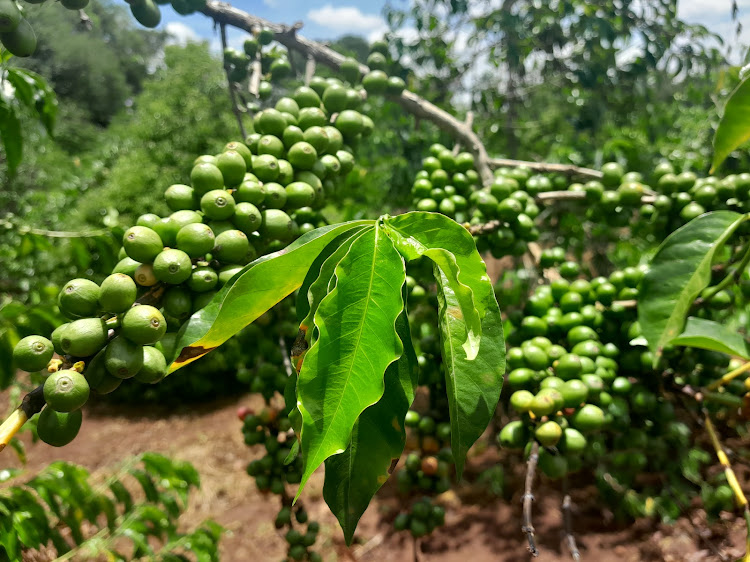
{"x":326,"y":19}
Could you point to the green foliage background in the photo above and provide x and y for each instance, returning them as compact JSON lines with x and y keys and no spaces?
{"x":134,"y":112}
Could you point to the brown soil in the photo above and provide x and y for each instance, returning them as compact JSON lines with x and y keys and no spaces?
{"x":478,"y":528}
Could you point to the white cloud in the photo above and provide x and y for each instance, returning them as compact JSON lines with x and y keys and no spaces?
{"x":180,"y":33}
{"x":271,"y":3}
{"x":347,"y":18}
{"x":707,"y":10}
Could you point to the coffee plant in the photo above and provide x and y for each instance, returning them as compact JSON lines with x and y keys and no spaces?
{"x":61,"y":509}
{"x":372,"y":338}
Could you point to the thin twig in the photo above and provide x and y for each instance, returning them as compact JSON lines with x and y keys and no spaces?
{"x":545,"y":197}
{"x":739,"y":495}
{"x":54,"y":233}
{"x":567,"y":514}
{"x":417,"y":549}
{"x":230,"y":84}
{"x":728,"y":280}
{"x":254,"y":83}
{"x":528,"y":498}
{"x":731,"y":375}
{"x":567,"y":169}
{"x":371,"y":544}
{"x":469,"y":123}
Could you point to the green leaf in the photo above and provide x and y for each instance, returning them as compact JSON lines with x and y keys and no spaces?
{"x":353,"y":477}
{"x":35,"y":92}
{"x":24,"y":87}
{"x":122,"y":495}
{"x":450,"y":246}
{"x":473,"y":385}
{"x":10,"y":135}
{"x":316,"y":286}
{"x":680,"y":270}
{"x":342,"y":373}
{"x":707,"y":334}
{"x":293,"y":453}
{"x":149,"y":488}
{"x":322,"y":268}
{"x":734,"y":125}
{"x":253,"y":291}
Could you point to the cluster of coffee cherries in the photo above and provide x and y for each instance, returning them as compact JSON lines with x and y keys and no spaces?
{"x":110,"y":335}
{"x":422,"y":519}
{"x":277,"y":468}
{"x":669,"y":199}
{"x":581,"y":383}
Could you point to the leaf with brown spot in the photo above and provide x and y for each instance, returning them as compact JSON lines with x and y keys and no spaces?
{"x":258,"y":287}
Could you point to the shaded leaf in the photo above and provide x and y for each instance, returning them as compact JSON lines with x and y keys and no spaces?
{"x":353,"y":477}
{"x":707,"y":334}
{"x":10,"y":135}
{"x":473,"y":385}
{"x":734,"y":125}
{"x":342,"y":373}
{"x":36,"y":94}
{"x":452,"y":248}
{"x":679,"y":271}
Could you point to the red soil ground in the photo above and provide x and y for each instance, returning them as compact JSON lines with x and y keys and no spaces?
{"x":478,"y":528}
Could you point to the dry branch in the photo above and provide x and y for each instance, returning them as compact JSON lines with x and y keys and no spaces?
{"x":567,"y":514}
{"x":528,"y":497}
{"x":226,"y":14}
{"x":547,"y":168}
{"x":309,"y":70}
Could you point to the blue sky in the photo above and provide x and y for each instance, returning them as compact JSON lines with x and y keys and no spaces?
{"x":328,"y":19}
{"x":322,"y":19}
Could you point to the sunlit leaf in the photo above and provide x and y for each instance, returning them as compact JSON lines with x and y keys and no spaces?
{"x":342,"y":373}
{"x":353,"y":477}
{"x":680,"y":270}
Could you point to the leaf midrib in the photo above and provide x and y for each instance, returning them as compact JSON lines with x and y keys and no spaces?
{"x":323,"y":437}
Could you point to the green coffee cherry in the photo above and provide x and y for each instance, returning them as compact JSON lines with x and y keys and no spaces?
{"x":142,"y":244}
{"x":154,"y":366}
{"x":202,"y":279}
{"x":58,"y":428}
{"x":218,"y":204}
{"x":177,"y":302}
{"x":179,"y":197}
{"x":232,"y":246}
{"x":79,"y":298}
{"x":117,"y":293}
{"x":33,"y":353}
{"x":83,"y":338}
{"x":123,"y":358}
{"x":173,"y":266}
{"x":143,"y":324}
{"x":66,"y":391}
{"x":196,"y":239}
